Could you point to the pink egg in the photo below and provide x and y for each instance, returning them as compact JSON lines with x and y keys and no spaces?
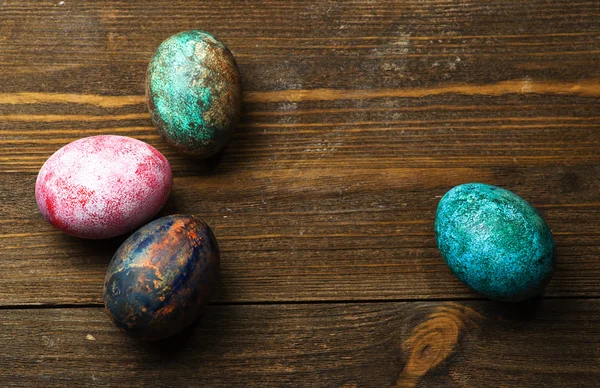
{"x":103,"y":186}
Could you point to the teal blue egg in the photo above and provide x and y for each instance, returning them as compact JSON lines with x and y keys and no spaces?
{"x":495,"y":242}
{"x":194,"y":92}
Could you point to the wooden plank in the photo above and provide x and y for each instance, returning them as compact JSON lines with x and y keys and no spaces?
{"x":429,"y":132}
{"x":104,"y":48}
{"x":318,"y":235}
{"x":418,"y":344}
{"x":327,"y":84}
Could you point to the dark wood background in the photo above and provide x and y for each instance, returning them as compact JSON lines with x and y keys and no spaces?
{"x":358,"y":116}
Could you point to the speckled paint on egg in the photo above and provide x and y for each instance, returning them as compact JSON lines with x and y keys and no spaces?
{"x":103,"y":186}
{"x":194,"y":92}
{"x":495,"y":241}
{"x":160,"y":279}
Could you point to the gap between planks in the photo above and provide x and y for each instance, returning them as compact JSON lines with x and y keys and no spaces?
{"x":294,"y":302}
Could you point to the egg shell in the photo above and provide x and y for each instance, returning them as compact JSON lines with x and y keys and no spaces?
{"x":103,"y":186}
{"x":194,"y":92}
{"x":160,"y":279}
{"x":495,"y":242}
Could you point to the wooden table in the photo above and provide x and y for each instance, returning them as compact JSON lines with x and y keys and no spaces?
{"x":358,"y":116}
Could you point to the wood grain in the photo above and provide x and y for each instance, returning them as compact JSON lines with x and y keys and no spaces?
{"x":357,"y":117}
{"x":418,"y":344}
{"x":291,"y":235}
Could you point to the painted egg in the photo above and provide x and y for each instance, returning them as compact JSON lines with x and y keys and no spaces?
{"x":103,"y":186}
{"x":494,"y":241}
{"x":160,"y":279}
{"x":194,"y":92}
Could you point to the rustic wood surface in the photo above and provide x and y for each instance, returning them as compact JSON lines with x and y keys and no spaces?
{"x":393,"y":344}
{"x":358,"y":116}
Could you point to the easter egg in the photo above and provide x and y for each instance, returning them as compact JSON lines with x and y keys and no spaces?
{"x":103,"y":186}
{"x":494,"y":241}
{"x":194,"y":92}
{"x":160,"y":279}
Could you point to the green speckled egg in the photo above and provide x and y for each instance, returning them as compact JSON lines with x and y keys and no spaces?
{"x":194,"y":92}
{"x":495,"y":242}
